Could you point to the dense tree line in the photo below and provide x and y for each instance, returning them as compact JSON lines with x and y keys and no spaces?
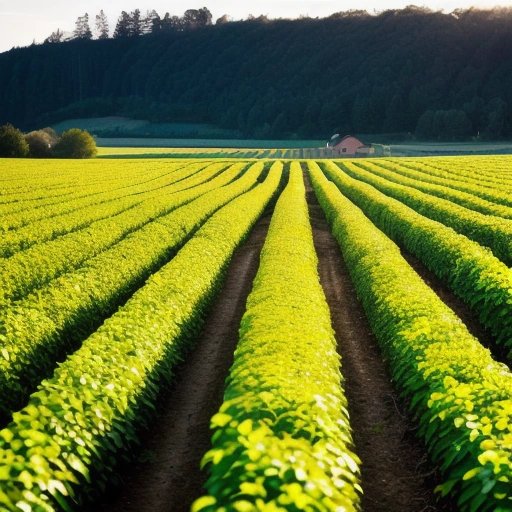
{"x":133,"y":24}
{"x":441,"y":76}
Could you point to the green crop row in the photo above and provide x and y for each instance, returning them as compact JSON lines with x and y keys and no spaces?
{"x":40,"y":176}
{"x":19,"y":203}
{"x":65,"y":444}
{"x":464,"y":170}
{"x":490,"y":171}
{"x":33,"y":211}
{"x":48,"y":228}
{"x":420,"y":181}
{"x":458,"y":177}
{"x":470,"y":270}
{"x":282,"y":439}
{"x":30,"y":190}
{"x":40,"y":179}
{"x":49,"y":323}
{"x":492,"y":232}
{"x":31,"y":269}
{"x":460,"y":396}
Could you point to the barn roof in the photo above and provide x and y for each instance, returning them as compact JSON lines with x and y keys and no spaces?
{"x":336,"y":142}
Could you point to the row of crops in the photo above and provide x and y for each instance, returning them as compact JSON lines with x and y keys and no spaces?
{"x":108,"y":269}
{"x":223,"y":153}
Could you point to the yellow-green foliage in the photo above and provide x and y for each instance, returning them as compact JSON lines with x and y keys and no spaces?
{"x":97,"y":206}
{"x":34,"y":267}
{"x":461,"y":397}
{"x":282,"y":438}
{"x":30,"y":193}
{"x":396,"y":173}
{"x":37,"y":328}
{"x":490,"y":231}
{"x":487,"y":177}
{"x":87,"y":414}
{"x":471,"y":271}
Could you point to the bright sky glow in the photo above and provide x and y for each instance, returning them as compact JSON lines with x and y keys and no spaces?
{"x":23,"y":21}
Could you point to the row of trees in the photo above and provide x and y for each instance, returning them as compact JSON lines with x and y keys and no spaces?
{"x":134,"y":23}
{"x":45,"y":143}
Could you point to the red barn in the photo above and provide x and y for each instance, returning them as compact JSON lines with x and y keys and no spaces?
{"x":348,"y":146}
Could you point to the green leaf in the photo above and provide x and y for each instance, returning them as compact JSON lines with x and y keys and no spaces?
{"x":202,"y":503}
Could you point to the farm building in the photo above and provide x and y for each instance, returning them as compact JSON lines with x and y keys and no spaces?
{"x":348,"y":146}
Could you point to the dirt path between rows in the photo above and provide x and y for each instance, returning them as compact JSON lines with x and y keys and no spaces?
{"x":396,"y":476}
{"x":166,"y":476}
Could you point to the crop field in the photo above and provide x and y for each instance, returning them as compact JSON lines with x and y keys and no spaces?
{"x":245,"y":332}
{"x":207,"y":152}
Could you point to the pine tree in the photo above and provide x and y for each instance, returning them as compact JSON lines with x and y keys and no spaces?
{"x":82,"y":29}
{"x":102,"y":28}
{"x":55,"y":37}
{"x":151,"y":22}
{"x":123,"y":25}
{"x":171,"y":22}
{"x":136,"y":23}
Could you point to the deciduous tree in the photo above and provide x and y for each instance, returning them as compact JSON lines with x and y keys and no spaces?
{"x":75,"y":143}
{"x":40,"y":144}
{"x":194,"y":18}
{"x":12,"y":142}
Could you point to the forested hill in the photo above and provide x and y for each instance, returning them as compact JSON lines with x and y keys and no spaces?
{"x":412,"y":70}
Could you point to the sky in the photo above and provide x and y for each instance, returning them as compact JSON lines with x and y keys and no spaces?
{"x":23,"y":21}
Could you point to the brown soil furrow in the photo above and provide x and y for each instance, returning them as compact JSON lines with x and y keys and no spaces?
{"x":396,"y":476}
{"x":166,"y":476}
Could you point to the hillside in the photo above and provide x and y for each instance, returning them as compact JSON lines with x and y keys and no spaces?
{"x":443,"y":76}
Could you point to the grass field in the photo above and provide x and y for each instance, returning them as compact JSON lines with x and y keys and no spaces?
{"x":315,"y":334}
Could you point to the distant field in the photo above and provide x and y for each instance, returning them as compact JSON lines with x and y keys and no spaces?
{"x":205,"y":152}
{"x":453,"y":148}
{"x":217,"y":148}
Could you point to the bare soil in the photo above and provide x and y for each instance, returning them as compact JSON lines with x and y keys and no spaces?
{"x":396,"y":475}
{"x":166,"y":476}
